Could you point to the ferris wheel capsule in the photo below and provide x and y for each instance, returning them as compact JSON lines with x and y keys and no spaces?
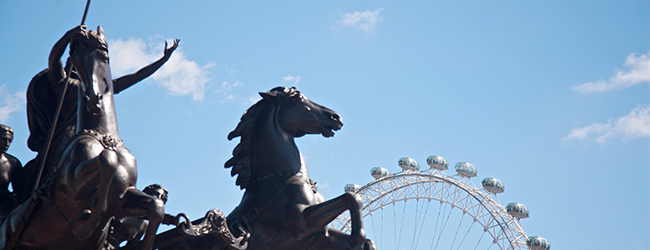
{"x":493,"y":185}
{"x":408,"y":163}
{"x":466,"y":169}
{"x":437,"y":162}
{"x":351,"y":188}
{"x":538,"y":243}
{"x":517,"y":210}
{"x":379,"y":172}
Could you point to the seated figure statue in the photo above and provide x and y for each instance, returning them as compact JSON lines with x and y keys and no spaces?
{"x":10,"y":172}
{"x":131,"y":229}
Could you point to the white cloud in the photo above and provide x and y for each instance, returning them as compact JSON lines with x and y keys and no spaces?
{"x":10,"y":103}
{"x":324,"y":185}
{"x":226,"y":87}
{"x":179,"y":75}
{"x":290,"y":78}
{"x":635,"y":124}
{"x":365,"y":21}
{"x":226,"y":93}
{"x":637,"y":71}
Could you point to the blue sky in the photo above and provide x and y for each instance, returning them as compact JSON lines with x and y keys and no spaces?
{"x":551,"y":97}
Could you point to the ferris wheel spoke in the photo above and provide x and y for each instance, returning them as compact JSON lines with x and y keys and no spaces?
{"x":435,"y":228}
{"x":394,"y":227}
{"x":381,"y":231}
{"x":465,"y":236}
{"x":415,"y":224}
{"x":419,"y":231}
{"x":444,"y":225}
{"x":479,"y":240}
{"x":418,"y":217}
{"x":402,"y":224}
{"x":374,"y":230}
{"x":457,"y":229}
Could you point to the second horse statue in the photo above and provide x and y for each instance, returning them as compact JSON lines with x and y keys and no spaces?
{"x":281,"y":208}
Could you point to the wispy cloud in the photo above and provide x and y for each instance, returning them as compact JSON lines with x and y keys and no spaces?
{"x":364,"y":21}
{"x":180,"y":76}
{"x":290,"y":78}
{"x":635,"y":124}
{"x":226,"y":93}
{"x":9,"y":103}
{"x":637,"y":70}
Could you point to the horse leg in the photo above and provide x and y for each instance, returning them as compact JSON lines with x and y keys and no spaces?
{"x":319,"y":215}
{"x":140,"y":205}
{"x":86,"y":223}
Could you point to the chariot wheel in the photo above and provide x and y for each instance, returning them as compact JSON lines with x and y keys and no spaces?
{"x":428,"y":209}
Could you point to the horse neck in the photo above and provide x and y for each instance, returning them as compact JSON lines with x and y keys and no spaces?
{"x":106,"y":123}
{"x":273,"y":150}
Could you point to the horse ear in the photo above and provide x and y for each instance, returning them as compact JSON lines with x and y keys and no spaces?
{"x":100,"y":31}
{"x":265,"y":95}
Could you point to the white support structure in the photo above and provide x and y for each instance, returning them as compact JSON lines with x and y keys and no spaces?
{"x":457,"y":191}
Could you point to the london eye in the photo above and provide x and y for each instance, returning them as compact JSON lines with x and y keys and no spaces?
{"x":427,"y":209}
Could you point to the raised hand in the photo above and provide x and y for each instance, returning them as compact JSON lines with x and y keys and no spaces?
{"x":75,"y":30}
{"x":168,"y":51}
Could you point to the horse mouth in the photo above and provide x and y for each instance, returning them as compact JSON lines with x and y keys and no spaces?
{"x":328,"y":131}
{"x":93,"y":107}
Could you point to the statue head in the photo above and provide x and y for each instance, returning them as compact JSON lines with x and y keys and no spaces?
{"x":6,"y":137}
{"x":91,"y":38}
{"x":89,"y":56}
{"x":156,"y":190}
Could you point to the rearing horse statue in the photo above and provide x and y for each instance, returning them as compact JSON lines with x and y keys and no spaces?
{"x":94,"y":182}
{"x":281,"y":208}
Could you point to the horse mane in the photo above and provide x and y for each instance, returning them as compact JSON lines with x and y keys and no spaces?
{"x":241,"y":161}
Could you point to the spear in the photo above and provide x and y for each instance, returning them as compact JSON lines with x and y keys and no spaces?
{"x":56,"y":114}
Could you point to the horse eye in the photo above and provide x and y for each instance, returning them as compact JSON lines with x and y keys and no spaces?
{"x":104,"y":56}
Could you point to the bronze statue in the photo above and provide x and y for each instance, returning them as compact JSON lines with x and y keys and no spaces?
{"x":94,"y":180}
{"x":43,"y":96}
{"x":281,"y":208}
{"x":132,"y":229}
{"x":10,"y":172}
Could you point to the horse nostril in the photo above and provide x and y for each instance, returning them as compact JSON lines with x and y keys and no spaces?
{"x":336,"y":117}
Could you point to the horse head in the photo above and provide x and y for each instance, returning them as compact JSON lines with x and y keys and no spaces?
{"x":298,"y":116}
{"x":89,"y":55}
{"x":282,"y":206}
{"x":267,"y":129}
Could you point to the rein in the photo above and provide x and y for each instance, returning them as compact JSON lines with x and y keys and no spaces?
{"x":273,"y":176}
{"x":283,"y":176}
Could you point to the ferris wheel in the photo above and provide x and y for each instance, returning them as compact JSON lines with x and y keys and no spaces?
{"x":428,"y":209}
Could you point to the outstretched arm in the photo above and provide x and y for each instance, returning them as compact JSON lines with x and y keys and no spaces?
{"x":126,"y":81}
{"x":56,"y":73}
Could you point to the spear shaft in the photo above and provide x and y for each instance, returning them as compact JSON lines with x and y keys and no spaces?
{"x":56,"y":114}
{"x":83,"y":20}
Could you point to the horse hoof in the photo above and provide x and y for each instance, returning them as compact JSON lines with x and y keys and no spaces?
{"x":82,"y":228}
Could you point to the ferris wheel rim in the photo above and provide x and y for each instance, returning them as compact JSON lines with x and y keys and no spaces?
{"x":515,"y":237}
